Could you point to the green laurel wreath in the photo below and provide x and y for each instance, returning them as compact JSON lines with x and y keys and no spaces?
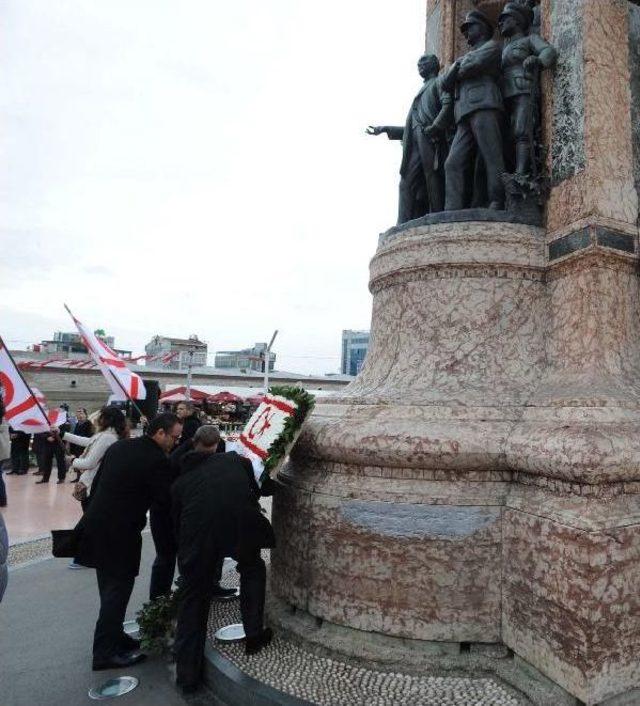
{"x":282,"y":445}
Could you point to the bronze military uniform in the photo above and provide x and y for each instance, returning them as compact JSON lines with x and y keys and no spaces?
{"x":478,"y":114}
{"x":517,"y":82}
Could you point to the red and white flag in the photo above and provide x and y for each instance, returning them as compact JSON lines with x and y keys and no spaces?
{"x":56,"y":417}
{"x":124,"y":383}
{"x":22,"y":411}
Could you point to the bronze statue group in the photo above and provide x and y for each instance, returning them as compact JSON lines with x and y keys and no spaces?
{"x":471,"y":130}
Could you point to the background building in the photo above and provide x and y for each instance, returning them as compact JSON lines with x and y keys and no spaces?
{"x":70,"y":342}
{"x":247,"y":359}
{"x":355,"y":345}
{"x":177,"y":353}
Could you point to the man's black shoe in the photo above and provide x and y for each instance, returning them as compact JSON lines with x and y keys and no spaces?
{"x":128,"y":659}
{"x":253,"y":644}
{"x":129,"y":643}
{"x":219,"y":592}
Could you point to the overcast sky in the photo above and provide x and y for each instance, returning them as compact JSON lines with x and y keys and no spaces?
{"x":199,"y":166}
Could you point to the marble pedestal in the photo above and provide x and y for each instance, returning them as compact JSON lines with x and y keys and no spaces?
{"x":478,"y":482}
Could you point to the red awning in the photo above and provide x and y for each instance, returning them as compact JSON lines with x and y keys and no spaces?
{"x":224,"y":397}
{"x":179,"y":394}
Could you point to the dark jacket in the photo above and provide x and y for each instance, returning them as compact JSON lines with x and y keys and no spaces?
{"x":21,"y":440}
{"x":477,"y":85}
{"x":216,"y":509}
{"x":190,"y":426}
{"x":4,"y":557}
{"x":134,"y":474}
{"x":81,"y":429}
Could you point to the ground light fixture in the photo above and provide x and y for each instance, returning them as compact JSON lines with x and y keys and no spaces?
{"x":113,"y":688}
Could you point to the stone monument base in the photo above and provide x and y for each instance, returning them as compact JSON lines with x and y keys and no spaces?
{"x":478,"y":482}
{"x":315,"y":662}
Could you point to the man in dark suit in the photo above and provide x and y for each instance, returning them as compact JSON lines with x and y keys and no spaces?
{"x":163,"y":533}
{"x":52,"y":448}
{"x":478,"y":110}
{"x":189,"y":420}
{"x":134,"y":474}
{"x":217,"y":514}
{"x":423,"y":145}
{"x":19,"y":451}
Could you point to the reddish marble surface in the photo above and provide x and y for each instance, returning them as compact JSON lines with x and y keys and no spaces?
{"x":423,"y":571}
{"x":570,"y":601}
{"x":34,"y":510}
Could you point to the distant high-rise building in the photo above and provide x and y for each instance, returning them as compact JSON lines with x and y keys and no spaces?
{"x":177,"y":353}
{"x":247,"y":359}
{"x":355,"y":345}
{"x":70,"y":342}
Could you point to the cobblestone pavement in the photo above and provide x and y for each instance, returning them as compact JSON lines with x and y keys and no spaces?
{"x":29,"y":551}
{"x":290,"y":668}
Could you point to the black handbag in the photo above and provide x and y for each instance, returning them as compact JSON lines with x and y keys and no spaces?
{"x":65,"y":543}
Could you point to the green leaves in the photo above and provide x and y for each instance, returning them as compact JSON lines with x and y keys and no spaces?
{"x":280,"y":447}
{"x":157,"y":620}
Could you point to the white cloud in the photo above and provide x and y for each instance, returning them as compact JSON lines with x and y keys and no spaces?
{"x":200,"y":166}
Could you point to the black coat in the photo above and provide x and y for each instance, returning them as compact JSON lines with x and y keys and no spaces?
{"x":216,"y":509}
{"x":21,"y":441}
{"x":81,"y":429}
{"x":133,"y":475}
{"x":190,"y":426}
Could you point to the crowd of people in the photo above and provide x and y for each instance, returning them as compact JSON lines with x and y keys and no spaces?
{"x":203,"y":505}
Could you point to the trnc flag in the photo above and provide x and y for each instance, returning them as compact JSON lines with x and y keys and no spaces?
{"x":22,"y":411}
{"x":124,"y":383}
{"x":56,"y":417}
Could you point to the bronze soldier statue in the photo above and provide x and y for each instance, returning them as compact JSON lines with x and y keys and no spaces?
{"x":523,"y":55}
{"x":474,"y":82}
{"x":423,"y":145}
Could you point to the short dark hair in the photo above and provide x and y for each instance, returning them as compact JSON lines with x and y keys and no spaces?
{"x":165,"y":421}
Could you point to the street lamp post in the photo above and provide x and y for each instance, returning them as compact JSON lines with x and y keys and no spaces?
{"x":189,"y":366}
{"x":267,"y":358}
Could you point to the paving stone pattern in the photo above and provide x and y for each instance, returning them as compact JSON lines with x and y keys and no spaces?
{"x":330,"y":682}
{"x":29,"y":551}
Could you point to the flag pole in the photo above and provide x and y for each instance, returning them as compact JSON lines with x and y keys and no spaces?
{"x":120,"y":385}
{"x":127,"y":395}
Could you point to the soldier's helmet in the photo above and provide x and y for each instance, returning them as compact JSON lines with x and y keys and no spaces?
{"x":522,"y":13}
{"x":477,"y":17}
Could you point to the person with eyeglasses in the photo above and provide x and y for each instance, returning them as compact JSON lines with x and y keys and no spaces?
{"x":134,"y":475}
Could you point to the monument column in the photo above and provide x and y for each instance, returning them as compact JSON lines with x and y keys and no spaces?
{"x":478,"y":484}
{"x":589,"y":115}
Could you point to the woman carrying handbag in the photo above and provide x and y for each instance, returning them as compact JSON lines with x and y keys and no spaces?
{"x":111,"y":427}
